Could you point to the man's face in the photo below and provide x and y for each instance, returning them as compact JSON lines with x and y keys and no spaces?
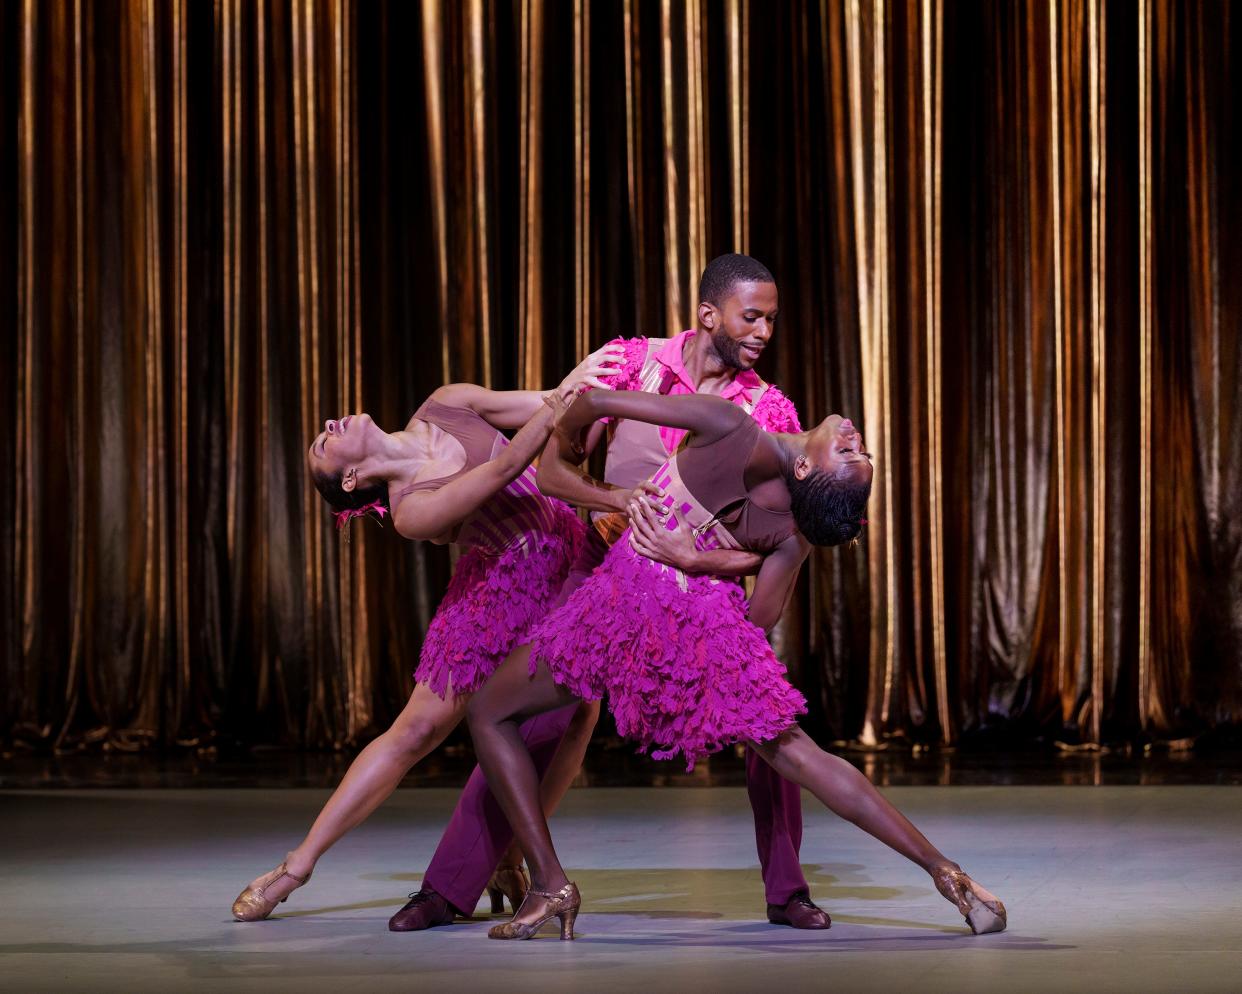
{"x":741,"y":326}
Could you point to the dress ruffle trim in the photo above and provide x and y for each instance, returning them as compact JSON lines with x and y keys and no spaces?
{"x":491,"y":603}
{"x":683,"y":670}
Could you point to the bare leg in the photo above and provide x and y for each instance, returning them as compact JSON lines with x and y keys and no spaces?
{"x":560,"y":774}
{"x":846,"y":792}
{"x":509,"y":696}
{"x":373,"y":776}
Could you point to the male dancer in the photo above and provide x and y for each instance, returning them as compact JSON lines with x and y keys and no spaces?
{"x":738,"y":305}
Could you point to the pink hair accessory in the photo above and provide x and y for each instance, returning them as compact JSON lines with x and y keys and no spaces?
{"x":343,"y":518}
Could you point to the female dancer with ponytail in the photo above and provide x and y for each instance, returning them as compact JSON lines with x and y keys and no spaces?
{"x":448,"y":476}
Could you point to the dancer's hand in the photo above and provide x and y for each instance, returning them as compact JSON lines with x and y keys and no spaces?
{"x":593,"y":371}
{"x":650,"y":536}
{"x":646,"y":494}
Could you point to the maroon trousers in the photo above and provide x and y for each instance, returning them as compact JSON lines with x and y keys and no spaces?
{"x":478,"y":832}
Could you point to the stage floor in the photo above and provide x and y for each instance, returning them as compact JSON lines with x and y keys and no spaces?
{"x":1119,"y":889}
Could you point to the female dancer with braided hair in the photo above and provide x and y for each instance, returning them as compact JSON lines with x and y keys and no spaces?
{"x":684,"y":661}
{"x":448,"y":476}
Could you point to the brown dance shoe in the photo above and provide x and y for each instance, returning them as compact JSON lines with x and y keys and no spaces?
{"x":563,"y":905}
{"x":799,"y":912}
{"x":425,"y":909}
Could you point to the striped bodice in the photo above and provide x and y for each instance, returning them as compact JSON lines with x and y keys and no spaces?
{"x":513,"y":516}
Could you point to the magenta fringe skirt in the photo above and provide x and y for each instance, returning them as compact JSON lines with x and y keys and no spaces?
{"x":683,"y":670}
{"x":491,"y":604}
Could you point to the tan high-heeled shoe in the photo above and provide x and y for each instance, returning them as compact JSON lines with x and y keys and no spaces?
{"x":982,"y":909}
{"x":511,"y":881}
{"x":253,"y":904}
{"x":564,"y":905}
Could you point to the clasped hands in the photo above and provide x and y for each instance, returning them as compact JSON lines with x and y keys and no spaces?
{"x":650,"y":535}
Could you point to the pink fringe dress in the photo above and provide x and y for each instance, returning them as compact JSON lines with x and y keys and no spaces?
{"x":519,"y":547}
{"x":683,"y":669}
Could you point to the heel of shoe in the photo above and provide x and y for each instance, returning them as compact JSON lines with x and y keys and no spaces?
{"x":498,"y":901}
{"x":567,"y":923}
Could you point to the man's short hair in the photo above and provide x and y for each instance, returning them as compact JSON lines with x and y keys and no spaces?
{"x":725,"y":272}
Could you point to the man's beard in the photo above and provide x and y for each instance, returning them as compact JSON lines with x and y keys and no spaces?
{"x":730,"y":352}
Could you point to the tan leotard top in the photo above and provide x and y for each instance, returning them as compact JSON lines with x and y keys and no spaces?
{"x":509,"y":518}
{"x":480,"y":440}
{"x":715,"y":475}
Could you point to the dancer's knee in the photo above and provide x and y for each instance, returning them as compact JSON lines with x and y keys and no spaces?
{"x":415,"y":736}
{"x":584,"y":719}
{"x":791,"y":754}
{"x":485,"y":709}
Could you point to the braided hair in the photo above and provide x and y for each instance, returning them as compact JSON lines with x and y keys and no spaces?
{"x":828,"y":507}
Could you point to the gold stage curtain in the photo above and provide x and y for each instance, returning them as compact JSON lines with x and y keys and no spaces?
{"x":1002,"y":237}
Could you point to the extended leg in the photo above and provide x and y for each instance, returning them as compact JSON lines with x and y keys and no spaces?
{"x":422,"y":725}
{"x":846,"y":792}
{"x":371,"y":778}
{"x":557,"y":775}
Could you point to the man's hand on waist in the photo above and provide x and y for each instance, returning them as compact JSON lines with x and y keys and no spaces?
{"x":651,"y":536}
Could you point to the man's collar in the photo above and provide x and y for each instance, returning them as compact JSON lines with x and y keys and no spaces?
{"x":671,"y":356}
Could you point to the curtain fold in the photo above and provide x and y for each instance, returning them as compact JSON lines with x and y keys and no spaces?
{"x":1001,"y":235}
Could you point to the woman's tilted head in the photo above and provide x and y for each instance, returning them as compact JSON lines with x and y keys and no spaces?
{"x":830,"y":482}
{"x":338,"y":461}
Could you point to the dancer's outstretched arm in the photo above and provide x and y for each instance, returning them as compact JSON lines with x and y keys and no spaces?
{"x":561,"y":475}
{"x":506,"y":409}
{"x":708,"y":417}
